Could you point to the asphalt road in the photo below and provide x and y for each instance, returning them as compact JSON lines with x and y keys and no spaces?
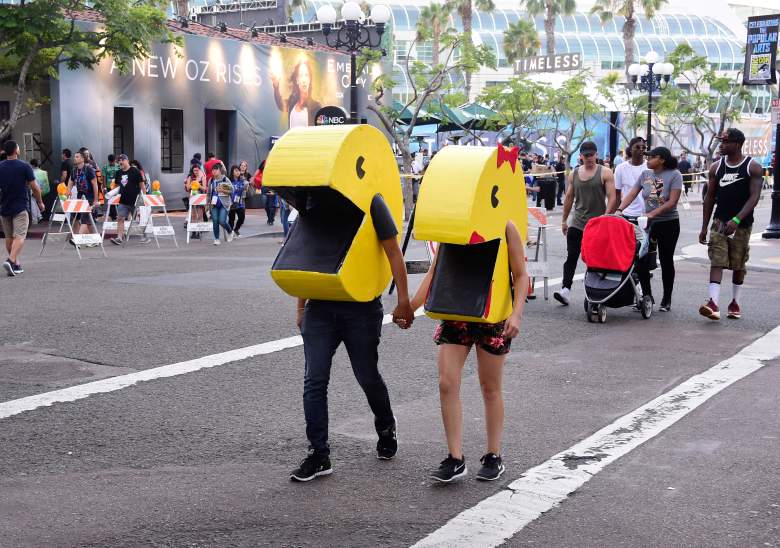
{"x":202,"y":459}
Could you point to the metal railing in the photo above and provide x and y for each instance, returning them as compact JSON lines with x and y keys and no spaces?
{"x":232,"y":7}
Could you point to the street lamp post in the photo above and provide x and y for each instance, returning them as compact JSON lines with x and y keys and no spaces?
{"x":651,"y":77}
{"x":354,"y":35}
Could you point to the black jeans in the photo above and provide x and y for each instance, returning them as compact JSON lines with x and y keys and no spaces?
{"x":327,"y":324}
{"x":573,"y":248}
{"x":236,"y":218}
{"x":546,"y":193}
{"x":270,"y":211}
{"x":561,"y":190}
{"x":666,"y":233}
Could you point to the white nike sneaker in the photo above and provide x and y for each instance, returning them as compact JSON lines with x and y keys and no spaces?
{"x":563,"y":296}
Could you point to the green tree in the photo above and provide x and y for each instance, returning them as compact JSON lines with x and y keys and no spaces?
{"x":427,"y":82}
{"x":706,"y":102}
{"x":533,"y":110}
{"x":616,"y":96}
{"x":433,"y":22}
{"x":293,"y":5}
{"x":551,"y":9}
{"x":37,"y":39}
{"x":521,"y":40}
{"x":465,"y":9}
{"x":607,"y":9}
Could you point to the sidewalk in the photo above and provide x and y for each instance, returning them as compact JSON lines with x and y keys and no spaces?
{"x":255,"y":225}
{"x":764,"y":254}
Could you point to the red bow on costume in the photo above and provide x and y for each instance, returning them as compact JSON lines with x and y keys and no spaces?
{"x":507,"y":155}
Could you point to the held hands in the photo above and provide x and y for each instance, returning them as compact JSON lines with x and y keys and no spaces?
{"x":511,"y":327}
{"x":403,"y":315}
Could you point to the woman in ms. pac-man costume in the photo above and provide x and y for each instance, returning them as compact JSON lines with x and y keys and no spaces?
{"x":337,"y":259}
{"x":472,"y":202}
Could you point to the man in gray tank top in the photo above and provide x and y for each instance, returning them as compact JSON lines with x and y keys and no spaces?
{"x":589,"y":188}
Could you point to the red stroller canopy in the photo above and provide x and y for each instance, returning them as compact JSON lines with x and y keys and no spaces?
{"x":609,"y":243}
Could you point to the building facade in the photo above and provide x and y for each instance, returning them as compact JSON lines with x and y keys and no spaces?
{"x":222,"y":91}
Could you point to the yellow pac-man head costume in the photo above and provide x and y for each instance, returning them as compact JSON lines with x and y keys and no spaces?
{"x":330,"y":174}
{"x":466,"y":199}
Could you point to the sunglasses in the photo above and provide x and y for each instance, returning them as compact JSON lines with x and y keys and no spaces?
{"x":588,"y":154}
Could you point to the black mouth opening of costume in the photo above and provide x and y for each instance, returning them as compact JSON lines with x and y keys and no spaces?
{"x":321,"y":236}
{"x":462,"y":279}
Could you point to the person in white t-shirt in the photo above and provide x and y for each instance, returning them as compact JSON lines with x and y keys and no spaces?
{"x":626,"y":175}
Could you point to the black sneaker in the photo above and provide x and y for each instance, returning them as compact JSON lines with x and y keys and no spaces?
{"x":313,"y":466}
{"x":9,"y":267}
{"x":492,"y":467}
{"x":450,"y":469}
{"x":17,"y":269}
{"x":387,"y":445}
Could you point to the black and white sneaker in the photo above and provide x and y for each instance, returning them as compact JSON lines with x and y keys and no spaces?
{"x":492,"y":467}
{"x":450,"y":469}
{"x":9,"y":267}
{"x":387,"y":444}
{"x":313,"y":466}
{"x":18,"y":269}
{"x":563,"y":296}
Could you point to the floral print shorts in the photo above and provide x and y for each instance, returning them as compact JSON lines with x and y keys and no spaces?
{"x":486,"y":336}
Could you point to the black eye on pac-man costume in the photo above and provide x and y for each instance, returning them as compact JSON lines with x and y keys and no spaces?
{"x":466,"y":198}
{"x":331,"y":174}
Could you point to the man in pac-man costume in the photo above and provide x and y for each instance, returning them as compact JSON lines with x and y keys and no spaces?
{"x":337,"y":260}
{"x":472,"y":201}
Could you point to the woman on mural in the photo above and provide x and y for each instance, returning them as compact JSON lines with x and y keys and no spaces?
{"x":300,"y":105}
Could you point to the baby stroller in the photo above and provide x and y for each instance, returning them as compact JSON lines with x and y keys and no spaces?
{"x":611,"y":247}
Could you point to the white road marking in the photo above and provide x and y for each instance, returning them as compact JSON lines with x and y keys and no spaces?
{"x":546,"y":486}
{"x":81,"y":391}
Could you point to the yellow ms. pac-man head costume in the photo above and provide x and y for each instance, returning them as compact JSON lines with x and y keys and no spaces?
{"x":466,"y":199}
{"x":330,"y":174}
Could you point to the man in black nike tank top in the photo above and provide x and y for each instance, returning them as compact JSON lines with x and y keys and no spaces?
{"x":733,"y":190}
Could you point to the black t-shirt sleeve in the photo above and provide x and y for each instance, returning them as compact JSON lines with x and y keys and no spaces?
{"x":383,"y":219}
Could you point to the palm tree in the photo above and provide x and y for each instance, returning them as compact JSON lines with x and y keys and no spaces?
{"x":292,"y":5}
{"x":521,"y":40}
{"x":606,"y":10}
{"x":551,"y":9}
{"x":433,"y":21}
{"x":465,"y":9}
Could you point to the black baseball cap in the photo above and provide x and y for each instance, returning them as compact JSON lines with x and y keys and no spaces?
{"x":588,"y":147}
{"x":732,"y":135}
{"x":122,"y":157}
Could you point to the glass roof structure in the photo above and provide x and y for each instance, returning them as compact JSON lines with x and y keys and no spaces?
{"x":601,"y":45}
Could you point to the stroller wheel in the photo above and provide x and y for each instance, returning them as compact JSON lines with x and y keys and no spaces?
{"x":587,"y":306}
{"x":602,"y":314}
{"x":647,"y":306}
